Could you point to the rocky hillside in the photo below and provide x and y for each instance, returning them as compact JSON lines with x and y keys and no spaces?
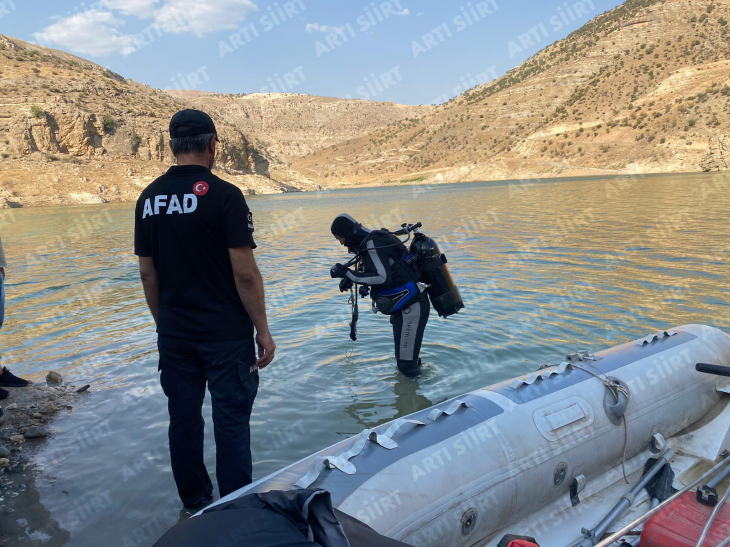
{"x":642,"y":88}
{"x":72,"y":131}
{"x":290,"y":126}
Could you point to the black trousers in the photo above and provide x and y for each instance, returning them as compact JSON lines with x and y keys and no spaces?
{"x":408,"y":326}
{"x":228,"y":368}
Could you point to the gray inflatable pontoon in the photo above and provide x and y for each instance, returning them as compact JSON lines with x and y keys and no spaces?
{"x":542,"y":455}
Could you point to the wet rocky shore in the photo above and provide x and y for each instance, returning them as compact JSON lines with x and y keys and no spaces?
{"x":25,"y":425}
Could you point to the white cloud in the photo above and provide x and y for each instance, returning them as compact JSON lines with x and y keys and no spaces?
{"x":96,"y":32}
{"x":91,"y":32}
{"x":202,"y":17}
{"x":139,"y":8}
{"x":316,"y":27}
{"x":405,"y":11}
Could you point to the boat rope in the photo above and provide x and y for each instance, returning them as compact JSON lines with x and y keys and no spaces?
{"x":725,"y":542}
{"x":615,"y":388}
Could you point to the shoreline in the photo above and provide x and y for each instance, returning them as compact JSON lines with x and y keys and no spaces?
{"x":66,"y":201}
{"x":25,"y":427}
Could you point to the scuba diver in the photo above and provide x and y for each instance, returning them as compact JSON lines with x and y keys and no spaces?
{"x":399,"y":280}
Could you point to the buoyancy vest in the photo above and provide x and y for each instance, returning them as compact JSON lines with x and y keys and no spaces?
{"x":404,"y":287}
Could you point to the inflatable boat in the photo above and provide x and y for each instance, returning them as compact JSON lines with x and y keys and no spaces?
{"x":597,"y":449}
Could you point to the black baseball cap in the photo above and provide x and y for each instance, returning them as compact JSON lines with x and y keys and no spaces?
{"x":190,"y":123}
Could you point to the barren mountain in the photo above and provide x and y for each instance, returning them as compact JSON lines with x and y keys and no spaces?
{"x":644,"y":87}
{"x":73,"y":132}
{"x":289,"y":126}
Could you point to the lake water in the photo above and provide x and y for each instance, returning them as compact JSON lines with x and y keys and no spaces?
{"x":545,"y":268}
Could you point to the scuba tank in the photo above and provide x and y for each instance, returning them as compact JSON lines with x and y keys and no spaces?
{"x":442,"y":290}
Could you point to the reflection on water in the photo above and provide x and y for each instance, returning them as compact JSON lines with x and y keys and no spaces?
{"x":407,"y":400}
{"x":545,"y":268}
{"x":34,"y":524}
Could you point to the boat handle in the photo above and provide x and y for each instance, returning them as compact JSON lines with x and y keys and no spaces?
{"x":717,"y":370}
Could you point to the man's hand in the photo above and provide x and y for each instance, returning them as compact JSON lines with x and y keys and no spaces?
{"x":250,"y":287}
{"x":338,"y":270}
{"x":267,"y":347}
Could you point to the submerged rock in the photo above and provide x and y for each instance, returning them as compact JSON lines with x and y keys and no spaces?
{"x":4,"y":452}
{"x":54,"y":377}
{"x":4,"y":462}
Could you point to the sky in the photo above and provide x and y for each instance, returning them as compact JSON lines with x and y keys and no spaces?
{"x":406,"y":51}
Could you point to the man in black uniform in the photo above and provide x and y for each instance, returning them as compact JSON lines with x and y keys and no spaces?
{"x":194,"y":239}
{"x":391,"y":273}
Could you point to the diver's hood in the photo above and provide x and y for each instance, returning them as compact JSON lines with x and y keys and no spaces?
{"x":351,"y":230}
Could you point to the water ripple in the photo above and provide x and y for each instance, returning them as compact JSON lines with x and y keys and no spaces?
{"x":544,"y":270}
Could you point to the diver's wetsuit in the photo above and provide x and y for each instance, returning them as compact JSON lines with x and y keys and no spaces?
{"x":408,"y":326}
{"x":383,"y":269}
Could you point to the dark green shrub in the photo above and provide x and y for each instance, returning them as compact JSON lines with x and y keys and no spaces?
{"x":109,"y":124}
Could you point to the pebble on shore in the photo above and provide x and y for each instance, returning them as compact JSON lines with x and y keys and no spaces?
{"x":35,"y":432}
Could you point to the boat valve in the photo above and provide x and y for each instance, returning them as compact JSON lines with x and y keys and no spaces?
{"x":468,"y":521}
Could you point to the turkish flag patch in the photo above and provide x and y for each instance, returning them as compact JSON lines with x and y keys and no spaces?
{"x":201,"y":188}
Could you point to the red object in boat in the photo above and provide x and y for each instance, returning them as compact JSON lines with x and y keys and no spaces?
{"x":681,"y":522}
{"x":522,"y":543}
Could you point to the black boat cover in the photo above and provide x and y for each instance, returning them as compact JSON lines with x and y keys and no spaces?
{"x":292,"y":518}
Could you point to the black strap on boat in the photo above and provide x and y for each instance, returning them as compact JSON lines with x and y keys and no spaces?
{"x":660,"y":487}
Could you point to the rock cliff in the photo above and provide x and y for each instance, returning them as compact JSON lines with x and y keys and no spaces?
{"x":718,"y":155}
{"x":91,"y":132}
